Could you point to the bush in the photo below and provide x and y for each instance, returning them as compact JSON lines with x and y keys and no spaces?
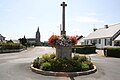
{"x":52,"y":56}
{"x":51,"y":62}
{"x":89,"y":63}
{"x":46,"y":66}
{"x":112,"y":52}
{"x":76,"y":57}
{"x":83,"y":58}
{"x":66,"y":65}
{"x":9,"y":46}
{"x":56,"y":64}
{"x":36,"y":64}
{"x":45,"y":58}
{"x":83,"y":45}
{"x":85,"y":67}
{"x":84,"y":49}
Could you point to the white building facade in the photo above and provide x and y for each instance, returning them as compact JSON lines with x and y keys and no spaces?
{"x":103,"y":37}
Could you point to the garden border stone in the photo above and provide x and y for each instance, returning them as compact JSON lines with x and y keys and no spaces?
{"x":62,"y":74}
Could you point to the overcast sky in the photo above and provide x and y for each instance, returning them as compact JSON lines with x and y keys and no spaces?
{"x":22,"y":17}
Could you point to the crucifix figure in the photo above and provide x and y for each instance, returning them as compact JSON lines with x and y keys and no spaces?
{"x":63,"y":32}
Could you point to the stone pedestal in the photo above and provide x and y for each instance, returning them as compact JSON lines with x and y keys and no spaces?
{"x":63,"y":52}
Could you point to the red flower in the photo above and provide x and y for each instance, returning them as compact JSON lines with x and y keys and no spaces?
{"x":62,"y":41}
{"x":52,"y":40}
{"x":73,"y":40}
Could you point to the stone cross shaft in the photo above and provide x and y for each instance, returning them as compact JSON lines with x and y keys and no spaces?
{"x":63,"y":32}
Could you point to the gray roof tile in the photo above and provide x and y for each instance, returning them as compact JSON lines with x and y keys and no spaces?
{"x":104,"y":32}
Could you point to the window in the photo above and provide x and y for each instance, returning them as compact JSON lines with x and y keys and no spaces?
{"x":99,"y":41}
{"x":87,"y":42}
{"x":105,"y":42}
{"x":91,"y":41}
{"x":94,"y":41}
{"x":108,"y":42}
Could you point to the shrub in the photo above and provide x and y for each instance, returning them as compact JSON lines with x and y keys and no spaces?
{"x":82,"y":59}
{"x":45,"y":58}
{"x":85,"y":67}
{"x":76,"y":57}
{"x":46,"y":66}
{"x":66,"y":65}
{"x":51,"y":62}
{"x":89,"y":63}
{"x":9,"y":46}
{"x":36,"y":64}
{"x":52,"y":56}
{"x":83,"y":45}
{"x":84,"y":49}
{"x":112,"y":52}
{"x":76,"y":66}
{"x":57,"y":64}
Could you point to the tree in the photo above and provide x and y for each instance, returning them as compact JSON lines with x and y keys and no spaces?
{"x":23,"y":41}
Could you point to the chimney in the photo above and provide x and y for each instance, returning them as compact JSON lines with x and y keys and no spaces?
{"x":94,"y":29}
{"x":106,"y":26}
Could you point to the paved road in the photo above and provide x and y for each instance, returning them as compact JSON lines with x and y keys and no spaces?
{"x":16,"y":66}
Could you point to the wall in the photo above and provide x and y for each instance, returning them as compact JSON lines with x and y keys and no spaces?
{"x":99,"y":43}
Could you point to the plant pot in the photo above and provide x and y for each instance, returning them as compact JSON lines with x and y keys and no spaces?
{"x":64,"y":52}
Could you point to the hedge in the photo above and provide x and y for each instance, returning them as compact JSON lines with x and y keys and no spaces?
{"x":10,"y":46}
{"x":84,"y":49}
{"x":112,"y":52}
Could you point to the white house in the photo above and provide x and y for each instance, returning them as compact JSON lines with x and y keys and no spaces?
{"x":104,"y":36}
{"x":81,"y":41}
{"x":2,"y":38}
{"x":117,"y":41}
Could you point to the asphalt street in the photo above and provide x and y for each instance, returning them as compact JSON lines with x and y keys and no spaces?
{"x":16,"y":66}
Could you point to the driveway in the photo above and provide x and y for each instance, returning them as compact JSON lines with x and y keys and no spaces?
{"x":16,"y":66}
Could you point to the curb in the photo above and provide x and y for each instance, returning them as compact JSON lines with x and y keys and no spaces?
{"x":62,"y":74}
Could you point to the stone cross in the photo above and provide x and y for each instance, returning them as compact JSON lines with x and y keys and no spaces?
{"x":63,"y":32}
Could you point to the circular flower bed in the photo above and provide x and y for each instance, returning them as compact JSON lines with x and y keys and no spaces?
{"x":52,"y":63}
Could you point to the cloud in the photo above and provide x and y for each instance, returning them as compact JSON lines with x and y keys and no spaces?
{"x":88,"y":19}
{"x":92,"y":14}
{"x":31,"y":17}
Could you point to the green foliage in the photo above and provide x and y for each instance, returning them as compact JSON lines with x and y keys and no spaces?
{"x":10,"y":45}
{"x":89,"y":63}
{"x":46,"y":66}
{"x":66,"y":65}
{"x":10,"y":41}
{"x":84,"y":49}
{"x":83,"y":45}
{"x":112,"y":52}
{"x":52,"y":56}
{"x":51,"y":62}
{"x":23,"y":41}
{"x":76,"y":57}
{"x":45,"y":58}
{"x":85,"y":67}
{"x":35,"y":63}
{"x":83,"y":58}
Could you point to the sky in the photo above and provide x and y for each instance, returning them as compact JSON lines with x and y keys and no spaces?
{"x":22,"y":17}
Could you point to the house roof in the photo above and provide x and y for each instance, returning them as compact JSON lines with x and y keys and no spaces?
{"x":118,"y":38}
{"x":1,"y":36}
{"x":79,"y":37}
{"x":104,"y":32}
{"x":82,"y":39}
